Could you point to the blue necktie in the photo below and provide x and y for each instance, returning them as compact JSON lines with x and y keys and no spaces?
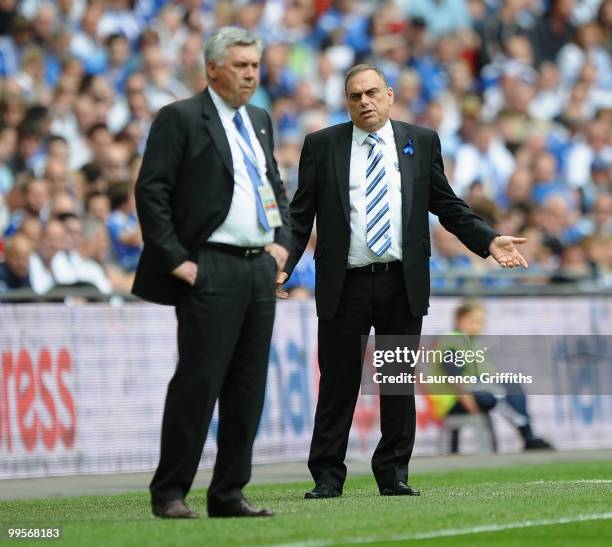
{"x":377,"y":204}
{"x":252,"y":169}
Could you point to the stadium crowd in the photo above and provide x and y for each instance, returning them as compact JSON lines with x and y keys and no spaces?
{"x":520,"y":92}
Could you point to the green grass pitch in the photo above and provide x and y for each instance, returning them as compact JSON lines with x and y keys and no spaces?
{"x":560,"y":504}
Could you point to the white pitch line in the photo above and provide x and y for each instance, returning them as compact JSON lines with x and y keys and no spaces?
{"x":449,"y":532}
{"x":553,"y":481}
{"x":577,"y":481}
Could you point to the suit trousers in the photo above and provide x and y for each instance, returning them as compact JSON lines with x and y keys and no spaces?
{"x":368,"y":299}
{"x":224,"y":330}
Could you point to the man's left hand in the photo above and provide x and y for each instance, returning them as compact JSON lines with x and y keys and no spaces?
{"x":503,"y":249}
{"x":281,"y":279}
{"x":279,"y":253}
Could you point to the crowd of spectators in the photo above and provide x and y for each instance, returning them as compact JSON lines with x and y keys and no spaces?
{"x":520,"y":92}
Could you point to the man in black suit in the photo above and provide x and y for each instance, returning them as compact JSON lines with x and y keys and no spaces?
{"x":371,"y":184}
{"x":215,"y":227}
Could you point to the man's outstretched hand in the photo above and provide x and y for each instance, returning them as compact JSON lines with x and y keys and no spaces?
{"x":503,"y":249}
{"x":281,"y":279}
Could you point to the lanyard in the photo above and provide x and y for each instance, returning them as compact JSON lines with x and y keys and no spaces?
{"x":246,"y":149}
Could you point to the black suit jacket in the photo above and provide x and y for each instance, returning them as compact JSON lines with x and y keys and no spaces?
{"x":323,"y":190}
{"x":185,"y":188}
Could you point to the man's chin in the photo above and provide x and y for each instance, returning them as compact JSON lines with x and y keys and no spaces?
{"x":240,"y":100}
{"x":371,"y":121}
{"x":245,"y":96}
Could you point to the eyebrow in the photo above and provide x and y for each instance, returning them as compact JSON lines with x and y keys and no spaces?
{"x":355,"y":94}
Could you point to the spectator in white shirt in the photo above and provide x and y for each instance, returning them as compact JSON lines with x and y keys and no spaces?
{"x":49,"y":266}
{"x":86,"y":270}
{"x":587,"y":47}
{"x":583,"y":153}
{"x":486,"y":160}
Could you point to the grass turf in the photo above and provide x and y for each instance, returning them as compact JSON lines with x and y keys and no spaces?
{"x":454,"y":500}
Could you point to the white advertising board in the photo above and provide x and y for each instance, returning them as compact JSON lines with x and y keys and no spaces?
{"x":82,"y":388}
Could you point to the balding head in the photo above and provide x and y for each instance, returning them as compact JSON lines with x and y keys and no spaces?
{"x":18,"y":251}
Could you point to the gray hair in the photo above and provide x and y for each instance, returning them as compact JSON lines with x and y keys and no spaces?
{"x":223,"y":38}
{"x":362,"y":68}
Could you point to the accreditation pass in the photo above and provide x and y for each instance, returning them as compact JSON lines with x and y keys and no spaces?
{"x":268,"y":200}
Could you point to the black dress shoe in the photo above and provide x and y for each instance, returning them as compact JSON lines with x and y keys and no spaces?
{"x":175,"y":509}
{"x":321,"y":491}
{"x":399,"y":488}
{"x":236,"y":508}
{"x":537,"y":443}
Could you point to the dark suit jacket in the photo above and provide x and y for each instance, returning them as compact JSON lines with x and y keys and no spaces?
{"x":323,"y":190}
{"x":185,"y":188}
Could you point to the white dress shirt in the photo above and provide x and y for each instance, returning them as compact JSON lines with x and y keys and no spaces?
{"x":359,"y":252}
{"x":241,"y":225}
{"x":60,"y":272}
{"x":67,"y":268}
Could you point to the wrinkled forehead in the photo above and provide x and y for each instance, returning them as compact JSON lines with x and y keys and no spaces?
{"x":242,"y":54}
{"x":364,"y":81}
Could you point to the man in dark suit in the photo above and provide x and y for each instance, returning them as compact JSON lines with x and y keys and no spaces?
{"x":215,"y":227}
{"x":371,"y":184}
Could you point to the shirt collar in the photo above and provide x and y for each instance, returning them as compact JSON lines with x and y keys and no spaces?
{"x":385,"y":133}
{"x":225,"y":111}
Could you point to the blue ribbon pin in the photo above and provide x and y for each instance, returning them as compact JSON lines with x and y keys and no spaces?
{"x":409,"y":148}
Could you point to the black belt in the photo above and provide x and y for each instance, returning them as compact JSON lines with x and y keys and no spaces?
{"x":377,"y":267}
{"x":246,"y":252}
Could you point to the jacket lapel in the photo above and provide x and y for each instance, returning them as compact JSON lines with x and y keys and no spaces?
{"x":217,"y":132}
{"x":341,"y":151}
{"x":402,"y":134}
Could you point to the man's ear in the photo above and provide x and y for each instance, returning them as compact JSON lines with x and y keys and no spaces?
{"x":211,"y":70}
{"x":391,"y":96}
